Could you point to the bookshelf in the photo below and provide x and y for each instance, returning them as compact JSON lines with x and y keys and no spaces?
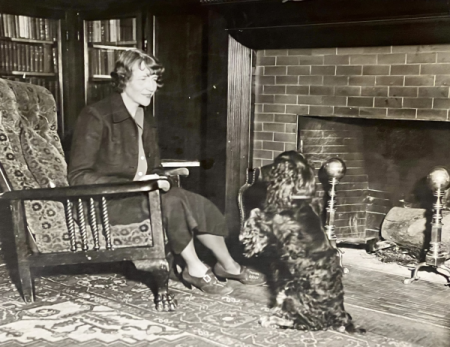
{"x":30,"y":51}
{"x":104,"y":40}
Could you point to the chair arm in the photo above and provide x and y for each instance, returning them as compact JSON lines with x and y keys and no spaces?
{"x":83,"y":191}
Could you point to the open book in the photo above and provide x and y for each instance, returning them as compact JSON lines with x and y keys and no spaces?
{"x":179,"y":163}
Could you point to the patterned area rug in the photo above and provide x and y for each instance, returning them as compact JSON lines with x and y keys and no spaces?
{"x":116,"y":310}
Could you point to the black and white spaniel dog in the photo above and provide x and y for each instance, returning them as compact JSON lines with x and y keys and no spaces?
{"x":307,"y":276}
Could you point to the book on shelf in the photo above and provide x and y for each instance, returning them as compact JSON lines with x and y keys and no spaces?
{"x":26,"y":57}
{"x":102,"y":61}
{"x":29,"y":51}
{"x":112,"y":30}
{"x":25,"y":27}
{"x":104,"y":41}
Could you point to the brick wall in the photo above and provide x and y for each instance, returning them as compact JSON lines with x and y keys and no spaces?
{"x":396,"y":82}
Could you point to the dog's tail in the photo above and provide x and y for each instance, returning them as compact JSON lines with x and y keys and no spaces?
{"x":352,"y":329}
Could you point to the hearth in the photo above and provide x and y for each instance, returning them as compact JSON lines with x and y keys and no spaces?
{"x":387,"y":165}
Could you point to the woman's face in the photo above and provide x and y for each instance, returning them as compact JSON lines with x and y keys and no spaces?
{"x":142,"y":85}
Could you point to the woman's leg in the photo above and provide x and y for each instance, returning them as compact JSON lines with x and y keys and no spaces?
{"x":199,"y":275}
{"x":218,"y":246}
{"x":195,"y":266}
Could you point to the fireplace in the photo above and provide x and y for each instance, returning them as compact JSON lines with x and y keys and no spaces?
{"x":387,"y":164}
{"x":385,"y":108}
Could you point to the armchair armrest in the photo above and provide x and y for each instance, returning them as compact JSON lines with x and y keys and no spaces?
{"x":64,"y":193}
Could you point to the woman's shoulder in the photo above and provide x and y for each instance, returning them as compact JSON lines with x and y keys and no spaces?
{"x":104,"y":107}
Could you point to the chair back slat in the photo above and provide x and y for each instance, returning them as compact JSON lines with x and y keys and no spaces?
{"x":105,"y":222}
{"x":93,"y":224}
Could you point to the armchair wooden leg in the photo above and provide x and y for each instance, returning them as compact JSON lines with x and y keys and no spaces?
{"x":26,"y":282}
{"x":164,"y":301}
{"x":20,"y":239}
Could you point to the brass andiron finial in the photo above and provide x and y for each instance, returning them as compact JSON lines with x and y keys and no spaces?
{"x":439,"y":181}
{"x":335,"y":170}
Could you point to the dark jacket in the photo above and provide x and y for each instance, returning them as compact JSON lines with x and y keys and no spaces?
{"x":105,"y":146}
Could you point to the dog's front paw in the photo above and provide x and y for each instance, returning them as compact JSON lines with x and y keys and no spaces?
{"x":275,"y":322}
{"x":266,"y":322}
{"x":351,"y":329}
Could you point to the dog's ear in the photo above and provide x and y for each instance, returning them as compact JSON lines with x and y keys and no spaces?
{"x":306,"y":183}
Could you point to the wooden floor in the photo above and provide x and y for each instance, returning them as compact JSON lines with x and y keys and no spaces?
{"x":378,"y":300}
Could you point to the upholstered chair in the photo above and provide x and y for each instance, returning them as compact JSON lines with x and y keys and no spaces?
{"x":55,"y":224}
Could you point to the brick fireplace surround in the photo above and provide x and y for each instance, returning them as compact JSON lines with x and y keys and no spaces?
{"x":394,"y":82}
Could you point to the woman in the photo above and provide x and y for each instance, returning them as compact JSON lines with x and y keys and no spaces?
{"x":115,"y":140}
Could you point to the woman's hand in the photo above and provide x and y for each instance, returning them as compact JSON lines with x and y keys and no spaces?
{"x":150,"y":177}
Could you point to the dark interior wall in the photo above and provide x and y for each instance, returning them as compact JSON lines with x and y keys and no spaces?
{"x":215,"y":122}
{"x":192,"y":106}
{"x":276,"y":24}
{"x":179,"y":103}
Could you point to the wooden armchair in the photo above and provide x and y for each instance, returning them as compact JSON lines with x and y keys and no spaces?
{"x":54,"y":224}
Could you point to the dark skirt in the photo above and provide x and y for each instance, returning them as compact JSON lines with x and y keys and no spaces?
{"x":183,"y":214}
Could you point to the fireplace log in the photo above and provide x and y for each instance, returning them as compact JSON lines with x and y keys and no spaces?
{"x":407,"y":227}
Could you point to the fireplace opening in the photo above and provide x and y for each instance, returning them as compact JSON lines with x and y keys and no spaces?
{"x":387,"y":165}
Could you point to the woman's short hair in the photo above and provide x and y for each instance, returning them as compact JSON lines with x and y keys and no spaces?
{"x":124,"y":64}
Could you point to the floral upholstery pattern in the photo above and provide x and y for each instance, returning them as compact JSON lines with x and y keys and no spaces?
{"x":46,"y":163}
{"x":32,"y":157}
{"x":47,"y":122}
{"x":56,"y":237}
{"x":11,"y":153}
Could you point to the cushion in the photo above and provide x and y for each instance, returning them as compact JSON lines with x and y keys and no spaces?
{"x":45,"y":161}
{"x":12,"y":159}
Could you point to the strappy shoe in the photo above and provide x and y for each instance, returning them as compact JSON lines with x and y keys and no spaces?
{"x":247,"y":275}
{"x":208,"y":283}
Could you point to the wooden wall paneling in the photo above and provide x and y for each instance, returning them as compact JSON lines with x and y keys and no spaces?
{"x":238,"y":134}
